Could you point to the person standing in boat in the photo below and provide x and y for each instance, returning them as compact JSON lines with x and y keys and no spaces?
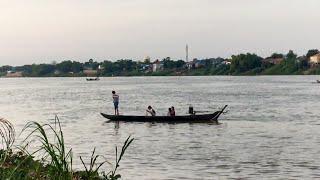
{"x":173,"y":112}
{"x":150,"y":111}
{"x":169,"y":112}
{"x":115,"y":98}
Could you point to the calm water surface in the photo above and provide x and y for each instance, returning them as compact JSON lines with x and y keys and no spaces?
{"x":272,"y":129}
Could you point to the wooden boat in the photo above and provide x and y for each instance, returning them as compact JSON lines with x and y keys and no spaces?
{"x":193,"y":118}
{"x":93,"y":79}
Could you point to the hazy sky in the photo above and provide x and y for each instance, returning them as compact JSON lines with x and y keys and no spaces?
{"x":36,"y":31}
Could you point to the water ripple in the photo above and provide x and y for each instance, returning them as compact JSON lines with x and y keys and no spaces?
{"x":270,"y":132}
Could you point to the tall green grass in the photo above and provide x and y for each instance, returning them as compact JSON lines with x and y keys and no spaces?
{"x":55,"y":152}
{"x":92,"y":171}
{"x":112,"y":175}
{"x":56,"y":160}
{"x":7,"y":134}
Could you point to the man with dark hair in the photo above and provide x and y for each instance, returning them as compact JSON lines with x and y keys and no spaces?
{"x":173,"y":112}
{"x":150,"y":111}
{"x":115,"y":98}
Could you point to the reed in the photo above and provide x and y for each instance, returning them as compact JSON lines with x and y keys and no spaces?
{"x":56,"y":161}
{"x":91,"y":172}
{"x":55,"y":152}
{"x":112,"y":175}
{"x":7,"y":133}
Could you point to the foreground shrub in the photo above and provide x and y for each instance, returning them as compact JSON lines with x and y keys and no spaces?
{"x":55,"y":162}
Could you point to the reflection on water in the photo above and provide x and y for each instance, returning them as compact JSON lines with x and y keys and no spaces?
{"x":270,"y":132}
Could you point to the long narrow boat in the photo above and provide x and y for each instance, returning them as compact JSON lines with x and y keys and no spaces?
{"x":93,"y":79}
{"x":193,"y":118}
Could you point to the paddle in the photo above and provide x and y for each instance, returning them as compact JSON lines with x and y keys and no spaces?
{"x":215,"y":118}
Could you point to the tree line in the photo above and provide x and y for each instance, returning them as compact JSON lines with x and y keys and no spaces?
{"x":241,"y":64}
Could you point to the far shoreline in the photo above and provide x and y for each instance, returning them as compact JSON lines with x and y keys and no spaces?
{"x":258,"y":75}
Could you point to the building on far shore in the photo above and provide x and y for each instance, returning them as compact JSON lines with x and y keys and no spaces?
{"x":226,"y":62}
{"x":14,"y":74}
{"x":314,"y":60}
{"x":273,"y":60}
{"x":157,"y":66}
{"x":90,"y":72}
{"x":189,"y":65}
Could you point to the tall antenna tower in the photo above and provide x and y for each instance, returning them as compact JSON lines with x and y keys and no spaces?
{"x":187,"y":53}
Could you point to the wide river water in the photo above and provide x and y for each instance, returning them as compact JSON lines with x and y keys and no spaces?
{"x":272,"y":129}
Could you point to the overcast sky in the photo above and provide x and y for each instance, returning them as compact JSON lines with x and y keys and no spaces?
{"x":37,"y":31}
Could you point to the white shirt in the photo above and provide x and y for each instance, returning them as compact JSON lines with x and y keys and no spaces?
{"x":115,"y":97}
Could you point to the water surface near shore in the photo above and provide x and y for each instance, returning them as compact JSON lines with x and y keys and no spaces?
{"x":271,"y":130}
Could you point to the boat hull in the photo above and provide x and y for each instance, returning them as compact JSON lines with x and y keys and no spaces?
{"x":93,"y":79}
{"x":201,"y":118}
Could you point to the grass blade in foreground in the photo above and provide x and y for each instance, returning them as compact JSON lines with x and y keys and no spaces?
{"x":112,"y":174}
{"x":55,"y":160}
{"x":60,"y":160}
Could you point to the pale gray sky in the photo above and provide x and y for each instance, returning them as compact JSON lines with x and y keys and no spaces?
{"x":36,"y":31}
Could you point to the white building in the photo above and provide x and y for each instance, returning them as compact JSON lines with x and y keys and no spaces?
{"x":226,"y":62}
{"x":157,"y":66}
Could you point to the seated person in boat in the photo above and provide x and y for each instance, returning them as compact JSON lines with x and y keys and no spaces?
{"x":169,"y":112}
{"x":173,"y":112}
{"x":150,"y":111}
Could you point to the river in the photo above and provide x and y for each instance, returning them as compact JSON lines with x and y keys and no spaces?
{"x":271,"y":130}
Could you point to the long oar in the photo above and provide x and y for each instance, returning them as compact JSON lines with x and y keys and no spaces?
{"x":215,"y":118}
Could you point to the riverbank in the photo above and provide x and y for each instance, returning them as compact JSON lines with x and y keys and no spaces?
{"x":241,"y":64}
{"x":221,"y":71}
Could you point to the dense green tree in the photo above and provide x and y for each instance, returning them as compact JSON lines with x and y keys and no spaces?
{"x":5,"y":68}
{"x":208,"y":63}
{"x":170,"y":64}
{"x":277,"y":55}
{"x":107,"y":67}
{"x":91,"y":64}
{"x":180,"y":64}
{"x":41,"y":70}
{"x":44,"y":69}
{"x":245,"y":62}
{"x":125,"y":65}
{"x":65,"y":66}
{"x":291,"y":55}
{"x":119,"y":67}
{"x":76,"y":67}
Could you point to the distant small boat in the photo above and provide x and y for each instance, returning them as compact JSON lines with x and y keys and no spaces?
{"x":192,"y":118}
{"x":318,"y":81}
{"x":93,"y":79}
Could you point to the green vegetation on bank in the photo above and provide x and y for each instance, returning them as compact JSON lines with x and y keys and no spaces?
{"x":242,"y":64}
{"x":51,"y":159}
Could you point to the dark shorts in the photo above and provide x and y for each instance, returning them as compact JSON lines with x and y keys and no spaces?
{"x":116,"y":104}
